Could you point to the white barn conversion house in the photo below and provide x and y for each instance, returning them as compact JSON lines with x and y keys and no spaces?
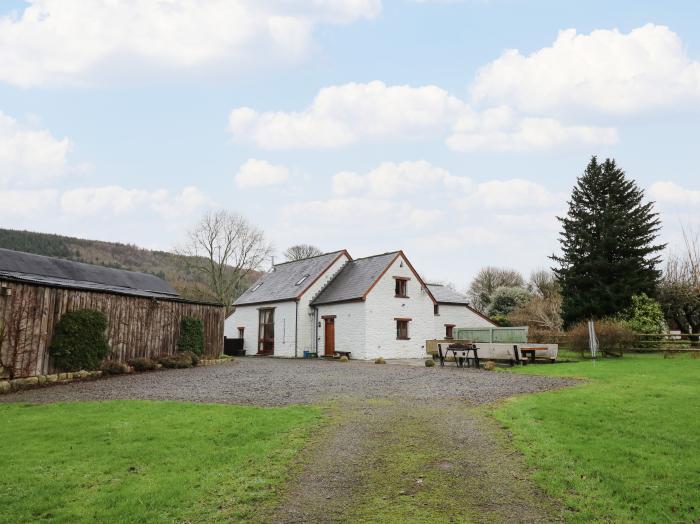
{"x":367,"y":307}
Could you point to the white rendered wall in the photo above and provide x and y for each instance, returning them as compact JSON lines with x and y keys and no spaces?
{"x":382,"y":307}
{"x":306,"y":327}
{"x":459,"y":316}
{"x":349,"y":328}
{"x":248,"y":318}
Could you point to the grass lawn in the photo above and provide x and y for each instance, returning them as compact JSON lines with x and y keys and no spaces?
{"x":624,"y":447}
{"x":139,"y":461}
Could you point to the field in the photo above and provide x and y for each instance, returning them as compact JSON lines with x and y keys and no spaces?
{"x":139,"y":461}
{"x":624,"y":446}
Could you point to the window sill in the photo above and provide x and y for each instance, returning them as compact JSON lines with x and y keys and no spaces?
{"x":401,"y":296}
{"x":407,"y":338}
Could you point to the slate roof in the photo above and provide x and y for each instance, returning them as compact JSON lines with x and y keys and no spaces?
{"x":56,"y":272}
{"x":282,"y":282}
{"x":446,"y":295}
{"x":355,"y":279}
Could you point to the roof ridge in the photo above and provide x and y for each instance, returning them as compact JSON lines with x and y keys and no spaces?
{"x":379,"y":255}
{"x":309,"y":258}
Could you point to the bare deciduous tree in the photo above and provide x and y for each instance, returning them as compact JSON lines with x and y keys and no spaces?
{"x":487,"y":280}
{"x":543,"y":283}
{"x":301,"y":251}
{"x":679,"y":289}
{"x":540,"y":312}
{"x":225,"y":248}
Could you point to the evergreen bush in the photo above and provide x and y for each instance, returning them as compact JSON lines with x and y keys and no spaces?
{"x":182,"y":359}
{"x":191,"y":335}
{"x":80,"y":341}
{"x":142,"y":364}
{"x":645,"y":315}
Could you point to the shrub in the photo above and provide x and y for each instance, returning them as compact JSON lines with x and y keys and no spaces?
{"x":500,"y":320}
{"x":142,"y":364}
{"x":507,"y":299}
{"x":614,"y":336}
{"x":191,"y":335}
{"x":182,"y":359}
{"x":112,"y":367}
{"x":80,"y":341}
{"x":344,"y":359}
{"x":429,"y":363}
{"x":379,"y":360}
{"x":490,"y":365}
{"x":644,"y":315}
{"x":544,"y":336}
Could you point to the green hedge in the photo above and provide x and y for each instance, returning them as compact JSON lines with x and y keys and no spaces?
{"x":80,"y":341}
{"x":191,"y":335}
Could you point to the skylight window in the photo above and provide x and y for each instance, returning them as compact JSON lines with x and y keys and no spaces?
{"x":301,"y":280}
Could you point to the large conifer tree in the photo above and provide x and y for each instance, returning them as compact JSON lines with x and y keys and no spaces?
{"x":608,"y":244}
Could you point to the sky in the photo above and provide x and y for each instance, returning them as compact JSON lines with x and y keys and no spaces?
{"x":454,"y":130}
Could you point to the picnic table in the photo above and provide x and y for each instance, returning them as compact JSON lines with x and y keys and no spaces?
{"x":460,"y":352}
{"x":529,"y":351}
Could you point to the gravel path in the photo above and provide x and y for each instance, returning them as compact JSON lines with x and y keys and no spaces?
{"x":402,"y":461}
{"x":277,"y":382}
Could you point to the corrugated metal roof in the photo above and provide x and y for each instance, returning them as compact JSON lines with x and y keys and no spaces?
{"x":353,"y":281}
{"x":287,"y":280}
{"x":56,"y":272}
{"x":446,"y":295}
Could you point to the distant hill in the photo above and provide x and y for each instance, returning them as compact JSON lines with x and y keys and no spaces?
{"x":168,"y":266}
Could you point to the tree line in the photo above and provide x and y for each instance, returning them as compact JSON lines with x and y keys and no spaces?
{"x":609,"y":267}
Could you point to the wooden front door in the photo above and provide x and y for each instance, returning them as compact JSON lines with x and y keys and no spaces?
{"x":329,"y":339}
{"x":266,"y":332}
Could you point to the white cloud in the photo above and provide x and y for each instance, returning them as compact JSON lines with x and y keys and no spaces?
{"x":514,"y":193}
{"x":498,"y":129}
{"x":28,"y":155}
{"x":667,"y":192}
{"x":77,"y":41}
{"x":350,"y":113}
{"x":259,"y":173}
{"x":405,"y":180}
{"x":605,"y":70}
{"x":390,"y":179}
{"x":182,"y":205}
{"x":25,"y":204}
{"x":120,"y":201}
{"x":360,"y":214}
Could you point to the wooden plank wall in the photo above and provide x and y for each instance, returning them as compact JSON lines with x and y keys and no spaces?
{"x":138,"y":327}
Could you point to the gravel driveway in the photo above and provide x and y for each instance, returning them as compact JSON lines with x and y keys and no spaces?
{"x":276,"y":382}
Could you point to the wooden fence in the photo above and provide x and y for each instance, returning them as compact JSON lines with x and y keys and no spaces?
{"x":137,"y":326}
{"x":645,"y":342}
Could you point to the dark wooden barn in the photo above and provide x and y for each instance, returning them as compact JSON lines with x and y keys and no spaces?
{"x":144,"y":312}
